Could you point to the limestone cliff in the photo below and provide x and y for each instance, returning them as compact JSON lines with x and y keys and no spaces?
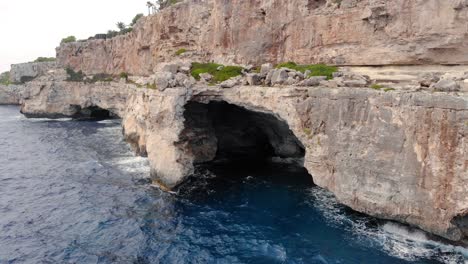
{"x":395,"y":155}
{"x":347,"y":32}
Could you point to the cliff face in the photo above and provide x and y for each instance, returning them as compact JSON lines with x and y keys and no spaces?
{"x":30,"y":70}
{"x":354,"y":32}
{"x":396,"y":155}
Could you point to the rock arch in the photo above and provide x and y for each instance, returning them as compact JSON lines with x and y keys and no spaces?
{"x":219,"y":131}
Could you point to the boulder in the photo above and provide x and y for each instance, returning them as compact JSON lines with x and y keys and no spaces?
{"x":279,"y":76}
{"x":164,"y":80}
{"x":172,"y":68}
{"x":249,"y":68}
{"x":180,"y":79}
{"x":428,"y":79}
{"x":312,"y":81}
{"x":446,"y":85}
{"x":254,"y":79}
{"x":189,"y":82}
{"x":266,"y":68}
{"x":231,"y":82}
{"x":206,"y":77}
{"x":184,"y":69}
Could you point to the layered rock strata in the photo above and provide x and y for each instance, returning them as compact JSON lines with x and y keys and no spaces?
{"x":347,"y":32}
{"x":394,"y":155}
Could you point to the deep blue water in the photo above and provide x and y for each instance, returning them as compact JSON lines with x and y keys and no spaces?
{"x":73,"y":192}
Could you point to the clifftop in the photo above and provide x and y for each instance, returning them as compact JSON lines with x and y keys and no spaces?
{"x":352,"y":32}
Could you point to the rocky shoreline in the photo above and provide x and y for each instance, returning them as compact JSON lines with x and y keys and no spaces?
{"x":398,"y":154}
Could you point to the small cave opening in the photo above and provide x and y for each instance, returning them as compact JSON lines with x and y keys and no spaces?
{"x":92,"y":113}
{"x":230,"y":140}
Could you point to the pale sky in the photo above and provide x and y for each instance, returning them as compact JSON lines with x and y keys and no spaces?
{"x":34,"y":28}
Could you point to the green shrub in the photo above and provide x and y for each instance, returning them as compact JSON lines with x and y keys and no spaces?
{"x":222,"y":75}
{"x":68,"y":39}
{"x":124,"y":75}
{"x":101,"y":77}
{"x":74,"y":76}
{"x":376,"y":86}
{"x":5,"y":78}
{"x":180,"y":52}
{"x":112,"y":33}
{"x":151,"y":86}
{"x":44,"y":59}
{"x":315,"y":69}
{"x":389,"y":89}
{"x":135,"y":19}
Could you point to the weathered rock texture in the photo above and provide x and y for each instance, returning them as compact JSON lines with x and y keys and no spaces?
{"x":395,"y":155}
{"x":27,"y":71}
{"x":365,"y":32}
{"x":10,"y":94}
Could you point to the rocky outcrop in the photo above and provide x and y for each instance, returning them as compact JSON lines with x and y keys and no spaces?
{"x":10,"y":94}
{"x":393,"y":155}
{"x":25,"y":72}
{"x":53,"y":97}
{"x":347,"y":32}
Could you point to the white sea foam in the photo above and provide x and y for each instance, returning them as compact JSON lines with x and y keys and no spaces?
{"x":395,"y":239}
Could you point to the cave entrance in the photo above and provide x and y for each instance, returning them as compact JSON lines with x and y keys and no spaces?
{"x":93,"y":113}
{"x":233,"y":137}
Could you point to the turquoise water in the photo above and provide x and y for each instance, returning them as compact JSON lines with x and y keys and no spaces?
{"x":73,"y":192}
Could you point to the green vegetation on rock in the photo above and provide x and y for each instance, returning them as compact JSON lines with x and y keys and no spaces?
{"x":376,"y":86}
{"x":68,"y":39}
{"x":220,"y":72}
{"x":101,"y":77}
{"x":124,"y":75}
{"x":135,"y":19}
{"x":74,"y":76}
{"x":180,"y":52}
{"x":5,"y":78}
{"x":45,"y":59}
{"x":315,"y":69}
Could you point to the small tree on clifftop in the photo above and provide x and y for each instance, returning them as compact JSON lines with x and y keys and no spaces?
{"x":121,"y":26}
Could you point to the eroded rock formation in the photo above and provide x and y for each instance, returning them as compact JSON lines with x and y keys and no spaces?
{"x":394,"y":155}
{"x":348,"y":32}
{"x":399,"y":155}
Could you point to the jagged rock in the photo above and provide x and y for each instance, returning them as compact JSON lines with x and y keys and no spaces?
{"x":353,"y":80}
{"x":184,"y":69}
{"x":337,"y":74}
{"x":429,"y":79}
{"x":446,"y":85}
{"x":164,"y":80}
{"x":279,"y":76}
{"x":312,"y":81}
{"x":254,"y":79}
{"x":180,"y":79}
{"x":266,"y":68}
{"x":231,"y":82}
{"x":189,"y":82}
{"x":206,"y":77}
{"x":291,"y":81}
{"x":169,"y":67}
{"x":30,"y":70}
{"x":249,"y":68}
